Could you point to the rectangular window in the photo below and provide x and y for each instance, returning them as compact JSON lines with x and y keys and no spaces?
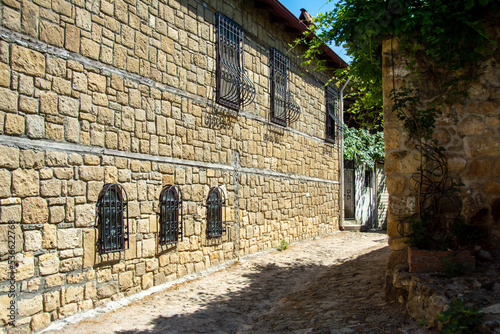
{"x":234,"y":88}
{"x":284,"y":110}
{"x":332,"y":113}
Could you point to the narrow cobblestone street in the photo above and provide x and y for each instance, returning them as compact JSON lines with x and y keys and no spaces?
{"x":327,"y":285}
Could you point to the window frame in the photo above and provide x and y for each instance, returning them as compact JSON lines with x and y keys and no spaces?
{"x":233,"y":87}
{"x":217,"y":228}
{"x":332,"y":119}
{"x":104,"y":207}
{"x":284,"y":110}
{"x":166,"y":235}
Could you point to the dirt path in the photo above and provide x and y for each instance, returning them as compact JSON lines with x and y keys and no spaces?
{"x":328,"y":285}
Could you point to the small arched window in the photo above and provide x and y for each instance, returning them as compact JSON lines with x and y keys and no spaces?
{"x":170,"y":215}
{"x":112,"y":219}
{"x":216,"y":201}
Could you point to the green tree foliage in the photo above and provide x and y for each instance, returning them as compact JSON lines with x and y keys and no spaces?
{"x":362,"y":145}
{"x":448,"y":32}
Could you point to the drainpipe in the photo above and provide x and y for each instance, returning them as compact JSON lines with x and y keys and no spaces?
{"x":341,"y":93}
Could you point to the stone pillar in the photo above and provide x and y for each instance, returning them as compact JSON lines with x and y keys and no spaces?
{"x":398,"y":159}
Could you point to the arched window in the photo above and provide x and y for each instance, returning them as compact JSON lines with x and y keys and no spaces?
{"x":112,"y":210}
{"x":170,"y":215}
{"x":216,"y":225}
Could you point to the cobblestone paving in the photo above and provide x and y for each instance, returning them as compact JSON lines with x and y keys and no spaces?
{"x":328,"y":285}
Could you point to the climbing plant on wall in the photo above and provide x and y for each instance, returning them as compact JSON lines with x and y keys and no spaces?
{"x":363,"y":146}
{"x":450,"y":33}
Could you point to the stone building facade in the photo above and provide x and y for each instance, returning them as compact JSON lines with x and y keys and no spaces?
{"x":95,"y":93}
{"x":469,"y":130}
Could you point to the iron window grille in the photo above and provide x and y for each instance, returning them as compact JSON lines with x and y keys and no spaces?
{"x":234,"y":88}
{"x":170,"y":215}
{"x":284,"y":110}
{"x":112,"y":219}
{"x":216,"y":222}
{"x":333,"y":123}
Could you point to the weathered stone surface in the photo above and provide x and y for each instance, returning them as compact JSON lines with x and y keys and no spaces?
{"x":32,"y":240}
{"x":71,"y":264}
{"x":49,"y":239}
{"x":71,"y":129}
{"x":10,"y":157}
{"x":48,"y":264}
{"x":50,"y":188}
{"x":72,"y":40}
{"x":51,"y":301}
{"x":73,"y":294}
{"x":5,"y":301}
{"x":85,"y":215}
{"x":5,"y":178}
{"x":35,"y":126}
{"x":91,"y":173}
{"x":40,"y":321}
{"x":27,"y":61}
{"x":48,"y":103}
{"x":107,"y":290}
{"x":25,"y":183}
{"x":30,"y":306}
{"x":126,"y":280}
{"x":35,"y":210}
{"x":8,"y":100}
{"x":25,"y":267}
{"x":56,"y":214}
{"x":51,"y":34}
{"x":29,"y":19}
{"x":4,"y":75}
{"x":478,"y":146}
{"x":69,"y":238}
{"x":14,"y":124}
{"x":6,"y":246}
{"x":69,"y":106}
{"x":97,"y":82}
{"x":148,"y":247}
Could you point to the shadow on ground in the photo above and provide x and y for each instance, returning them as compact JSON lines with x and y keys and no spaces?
{"x":343,"y":298}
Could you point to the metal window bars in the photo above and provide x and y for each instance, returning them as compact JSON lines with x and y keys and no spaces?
{"x":112,"y":219}
{"x":170,"y":215}
{"x":284,"y":110}
{"x":234,"y":88}
{"x":333,"y":123}
{"x":216,"y":222}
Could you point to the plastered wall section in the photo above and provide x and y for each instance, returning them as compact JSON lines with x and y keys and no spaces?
{"x":100,"y":92}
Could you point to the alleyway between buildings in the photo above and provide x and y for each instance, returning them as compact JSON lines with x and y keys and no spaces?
{"x":332,"y":284}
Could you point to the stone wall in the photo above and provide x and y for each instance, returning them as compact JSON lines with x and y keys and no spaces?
{"x":469,"y":130}
{"x":97,"y":92}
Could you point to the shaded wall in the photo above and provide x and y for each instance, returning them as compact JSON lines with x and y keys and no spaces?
{"x":469,"y":130}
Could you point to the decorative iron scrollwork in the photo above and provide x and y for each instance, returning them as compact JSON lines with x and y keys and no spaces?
{"x":170,"y":215}
{"x":284,"y":110}
{"x":112,"y":219}
{"x":234,"y":87}
{"x":216,"y":220}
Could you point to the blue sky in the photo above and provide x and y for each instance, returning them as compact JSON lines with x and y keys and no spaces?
{"x":314,"y":7}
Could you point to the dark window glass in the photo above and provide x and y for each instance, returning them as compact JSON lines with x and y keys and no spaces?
{"x":170,"y":215}
{"x":284,"y":110}
{"x":332,"y":112}
{"x":112,"y":219}
{"x":215,"y":220}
